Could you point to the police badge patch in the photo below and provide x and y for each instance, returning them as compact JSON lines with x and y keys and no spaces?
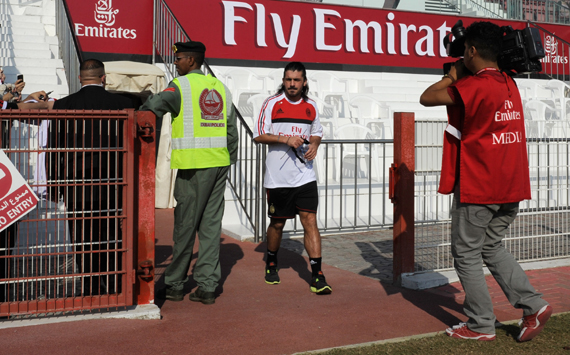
{"x":211,"y":105}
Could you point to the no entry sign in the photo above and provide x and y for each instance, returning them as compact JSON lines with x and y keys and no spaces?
{"x":16,"y":196}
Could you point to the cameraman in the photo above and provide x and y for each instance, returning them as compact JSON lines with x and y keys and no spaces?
{"x":485,"y":165}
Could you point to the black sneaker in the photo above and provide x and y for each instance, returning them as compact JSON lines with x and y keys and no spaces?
{"x":202,"y":296}
{"x":272,"y":274}
{"x":171,"y":294}
{"x":319,"y":285}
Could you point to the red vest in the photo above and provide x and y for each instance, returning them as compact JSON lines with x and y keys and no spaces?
{"x":485,"y":147}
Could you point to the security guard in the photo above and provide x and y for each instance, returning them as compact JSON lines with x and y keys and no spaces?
{"x":204,"y":144}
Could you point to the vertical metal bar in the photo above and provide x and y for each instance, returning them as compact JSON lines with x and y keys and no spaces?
{"x":145,"y":211}
{"x":260,"y":186}
{"x":326,"y":183}
{"x":404,"y":157}
{"x":356,"y":171}
{"x":370,"y":185}
{"x":258,"y":205}
{"x":384,"y":187}
{"x":340,"y":191}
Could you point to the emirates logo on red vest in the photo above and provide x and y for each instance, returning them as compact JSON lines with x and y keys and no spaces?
{"x":211,"y":105}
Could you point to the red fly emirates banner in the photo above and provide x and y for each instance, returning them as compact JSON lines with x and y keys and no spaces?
{"x":121,"y":29}
{"x":267,"y":30}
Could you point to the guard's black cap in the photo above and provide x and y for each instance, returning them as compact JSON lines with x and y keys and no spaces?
{"x":192,"y":46}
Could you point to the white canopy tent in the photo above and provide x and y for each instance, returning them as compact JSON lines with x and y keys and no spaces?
{"x":143,"y":80}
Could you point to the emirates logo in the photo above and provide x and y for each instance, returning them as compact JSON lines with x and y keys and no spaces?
{"x":105,"y":18}
{"x":211,"y":105}
{"x":550,"y":45}
{"x":104,"y":12}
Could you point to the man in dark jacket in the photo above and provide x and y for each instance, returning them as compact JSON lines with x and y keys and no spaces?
{"x":100,"y":174}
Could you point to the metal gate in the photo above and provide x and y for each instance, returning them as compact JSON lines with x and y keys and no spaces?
{"x":76,"y":250}
{"x":541,"y":230}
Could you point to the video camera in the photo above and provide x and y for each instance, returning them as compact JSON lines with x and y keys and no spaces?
{"x":521,"y":50}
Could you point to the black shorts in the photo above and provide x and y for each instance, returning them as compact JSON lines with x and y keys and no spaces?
{"x":286,"y":202}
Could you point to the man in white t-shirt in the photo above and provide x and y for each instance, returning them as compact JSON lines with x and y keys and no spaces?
{"x":289,"y":124}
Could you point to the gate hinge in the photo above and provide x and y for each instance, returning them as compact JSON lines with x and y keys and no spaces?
{"x":146,"y":270}
{"x":145,"y":129}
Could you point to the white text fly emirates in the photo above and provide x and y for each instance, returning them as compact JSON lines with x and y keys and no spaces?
{"x":104,"y":32}
{"x":428,"y":44}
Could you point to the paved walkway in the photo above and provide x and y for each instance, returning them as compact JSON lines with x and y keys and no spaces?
{"x":251,"y":317}
{"x":364,"y":253}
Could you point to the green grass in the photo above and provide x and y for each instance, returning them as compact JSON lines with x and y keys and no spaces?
{"x":554,"y":339}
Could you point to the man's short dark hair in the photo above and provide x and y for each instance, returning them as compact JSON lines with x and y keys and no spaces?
{"x":486,"y":37}
{"x":91,"y":64}
{"x":198,"y":57}
{"x":296,"y":66}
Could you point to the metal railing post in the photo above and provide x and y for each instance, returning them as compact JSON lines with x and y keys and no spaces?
{"x":145,"y":149}
{"x":69,"y":49}
{"x":402,"y":194}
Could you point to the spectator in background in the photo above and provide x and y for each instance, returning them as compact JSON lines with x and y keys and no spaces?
{"x":10,"y":92}
{"x":36,"y":100}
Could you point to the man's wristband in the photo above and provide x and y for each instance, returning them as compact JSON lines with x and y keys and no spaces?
{"x":278,"y":137}
{"x":448,"y":76}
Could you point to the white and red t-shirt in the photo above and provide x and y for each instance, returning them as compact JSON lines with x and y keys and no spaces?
{"x":280,"y":116}
{"x":485,"y":143}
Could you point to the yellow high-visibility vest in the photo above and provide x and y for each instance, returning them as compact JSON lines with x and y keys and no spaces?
{"x":199,"y":132}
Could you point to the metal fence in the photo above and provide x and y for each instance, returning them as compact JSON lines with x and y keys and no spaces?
{"x":352,"y":178}
{"x":352,"y":184}
{"x":75,"y":250}
{"x":167,"y":31}
{"x":68,"y":46}
{"x":541,"y":230}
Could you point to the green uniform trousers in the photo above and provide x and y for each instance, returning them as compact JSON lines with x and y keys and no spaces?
{"x":199,"y":195}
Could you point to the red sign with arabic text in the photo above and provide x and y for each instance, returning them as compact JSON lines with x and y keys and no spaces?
{"x":16,"y":196}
